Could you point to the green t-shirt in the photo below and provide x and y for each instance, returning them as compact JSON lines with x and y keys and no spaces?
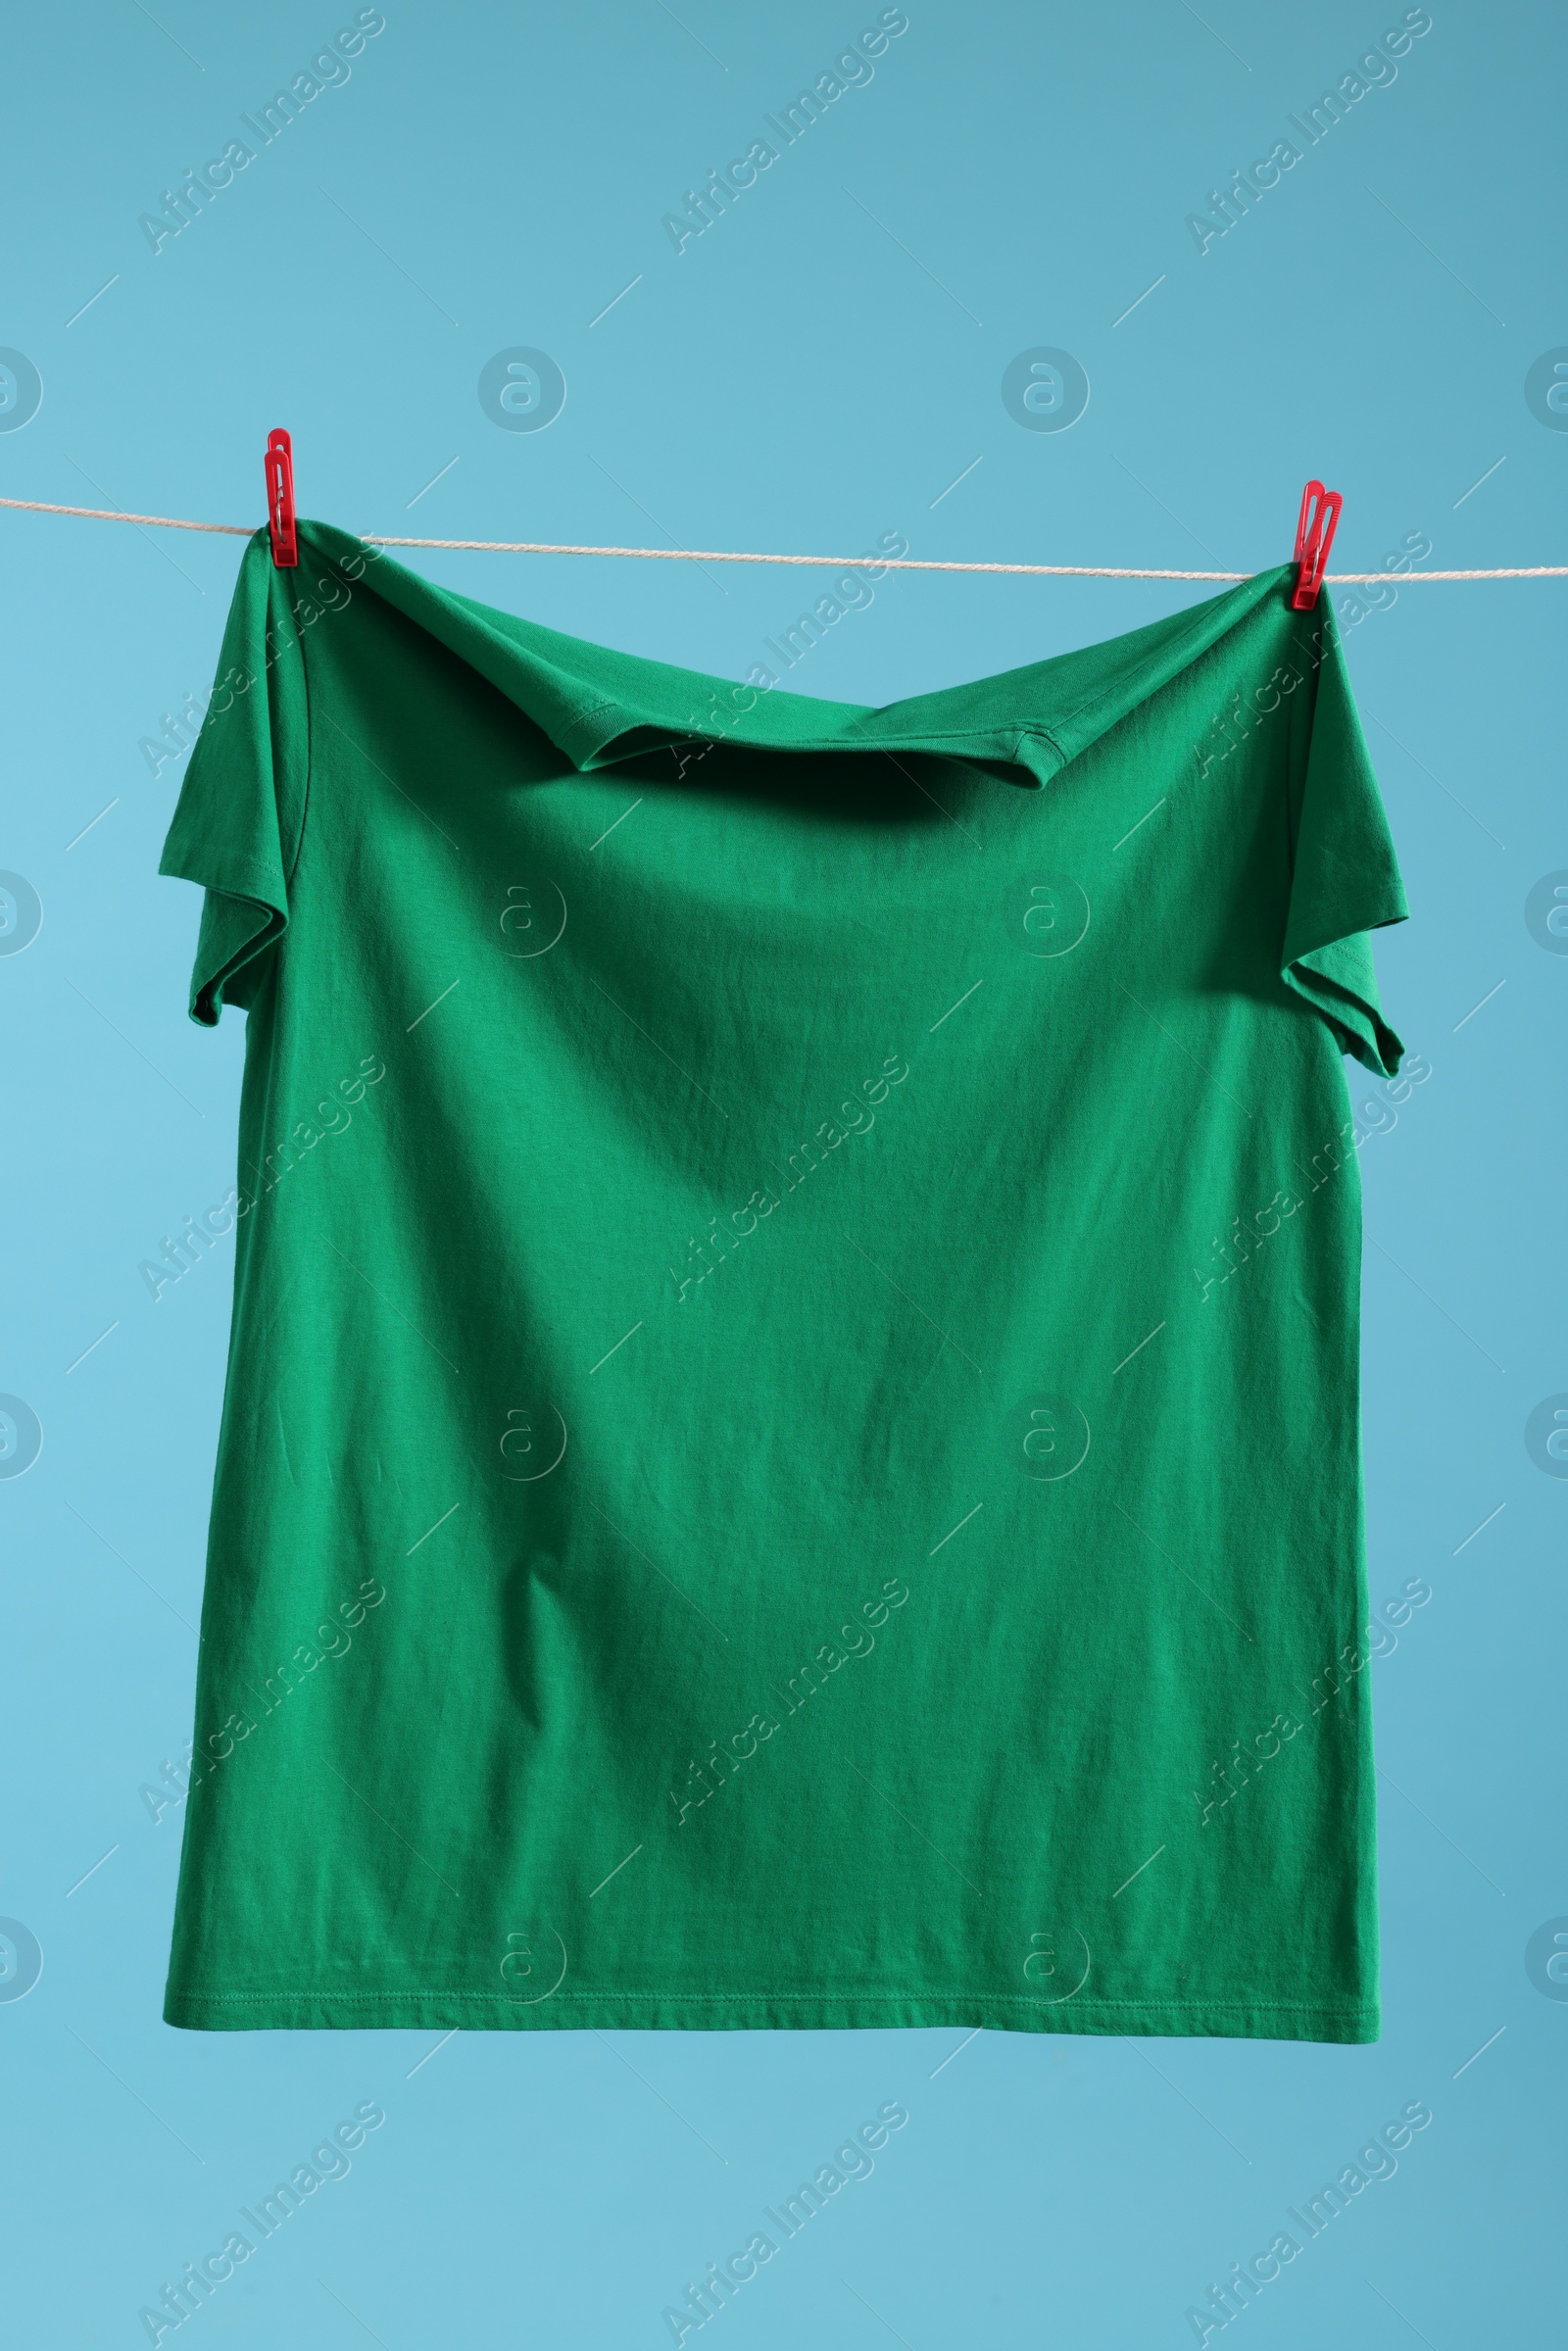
{"x":791,"y":1452}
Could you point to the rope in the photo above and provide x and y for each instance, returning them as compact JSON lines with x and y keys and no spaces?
{"x":828,"y":562}
{"x":99,"y":513}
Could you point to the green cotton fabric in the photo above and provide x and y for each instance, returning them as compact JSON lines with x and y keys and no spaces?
{"x":791,"y":1448}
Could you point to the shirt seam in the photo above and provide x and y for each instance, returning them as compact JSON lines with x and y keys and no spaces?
{"x":309,"y":751}
{"x":1004,"y":1999}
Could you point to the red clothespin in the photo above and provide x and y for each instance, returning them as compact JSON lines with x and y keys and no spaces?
{"x":1314,"y":536}
{"x":279,"y":467}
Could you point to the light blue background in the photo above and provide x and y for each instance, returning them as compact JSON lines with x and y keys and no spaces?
{"x":804,"y":376}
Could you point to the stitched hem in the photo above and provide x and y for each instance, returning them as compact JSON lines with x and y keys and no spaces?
{"x":585,"y":724}
{"x":200,"y":857}
{"x":762,"y":2011}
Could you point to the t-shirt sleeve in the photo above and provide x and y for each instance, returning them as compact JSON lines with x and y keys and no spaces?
{"x":1344,"y":878}
{"x":241,"y":818}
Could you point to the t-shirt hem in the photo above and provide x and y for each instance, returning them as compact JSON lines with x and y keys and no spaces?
{"x":743,"y":2012}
